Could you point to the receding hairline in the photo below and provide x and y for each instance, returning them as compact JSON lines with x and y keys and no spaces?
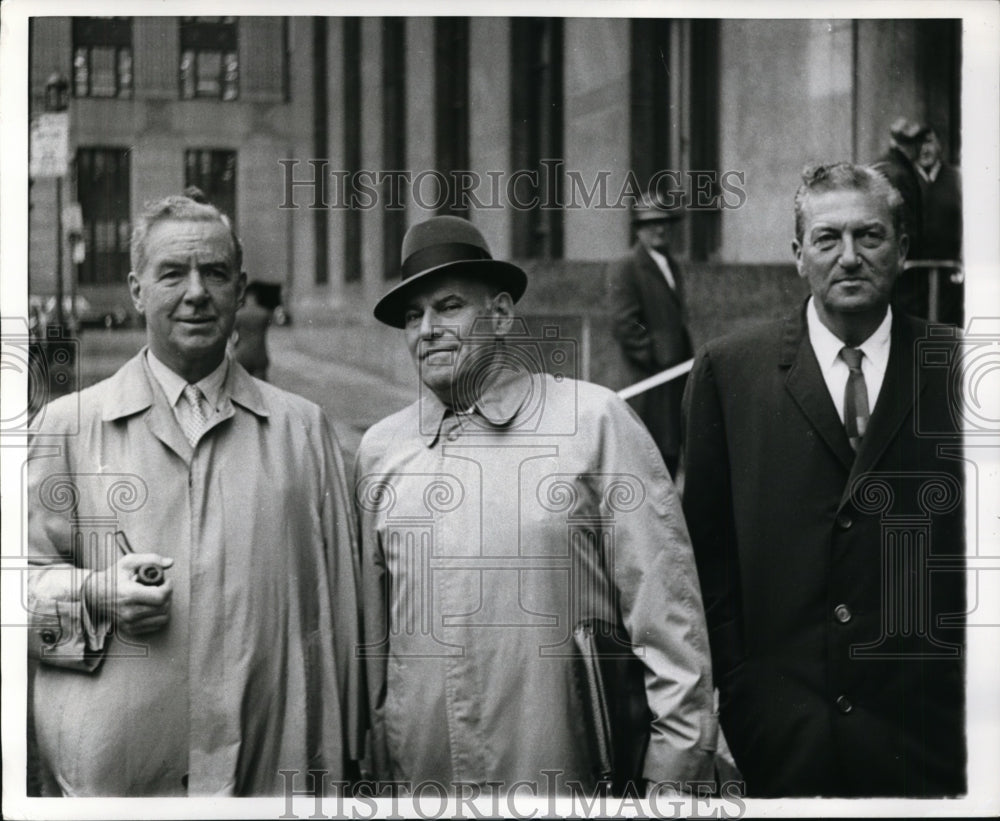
{"x":179,"y":208}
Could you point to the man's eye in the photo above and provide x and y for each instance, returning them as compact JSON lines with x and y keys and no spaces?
{"x":825,"y":241}
{"x":450,"y":307}
{"x":412,"y":317}
{"x":872,"y":239}
{"x":216,"y":275}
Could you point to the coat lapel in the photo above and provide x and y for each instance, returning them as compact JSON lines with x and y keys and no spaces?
{"x":896,"y":401}
{"x":135,"y":391}
{"x":808,"y":389}
{"x":654,"y":276}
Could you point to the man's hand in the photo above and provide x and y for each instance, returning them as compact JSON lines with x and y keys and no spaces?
{"x":115,"y":595}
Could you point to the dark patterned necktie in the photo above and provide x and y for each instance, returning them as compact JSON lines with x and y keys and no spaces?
{"x":856,"y":410}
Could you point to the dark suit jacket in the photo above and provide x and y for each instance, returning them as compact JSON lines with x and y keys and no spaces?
{"x":650,"y":324}
{"x":829,"y":685}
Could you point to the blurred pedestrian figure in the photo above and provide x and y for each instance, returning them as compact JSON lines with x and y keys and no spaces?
{"x":941,"y":186}
{"x":250,"y":334}
{"x":650,"y":322}
{"x":899,"y":165}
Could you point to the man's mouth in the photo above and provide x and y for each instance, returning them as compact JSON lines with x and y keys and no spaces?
{"x":437,"y":353}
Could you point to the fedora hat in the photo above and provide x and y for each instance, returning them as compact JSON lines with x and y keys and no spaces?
{"x":446,"y":245}
{"x":649,"y":209}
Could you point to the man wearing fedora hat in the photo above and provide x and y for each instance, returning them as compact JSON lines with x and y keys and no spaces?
{"x":650,"y":322}
{"x":501,"y":513}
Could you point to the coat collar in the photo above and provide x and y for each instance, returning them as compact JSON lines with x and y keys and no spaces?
{"x":133,"y":389}
{"x":498,"y":405}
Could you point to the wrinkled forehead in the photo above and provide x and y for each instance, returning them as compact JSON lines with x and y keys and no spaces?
{"x":189,"y":241}
{"x":846,"y":206}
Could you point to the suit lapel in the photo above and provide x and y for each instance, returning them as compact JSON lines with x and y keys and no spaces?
{"x":653,"y":273}
{"x":808,"y":389}
{"x":896,"y":401}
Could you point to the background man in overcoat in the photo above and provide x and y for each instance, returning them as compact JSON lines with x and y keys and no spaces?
{"x":650,"y":322}
{"x":822,"y":483}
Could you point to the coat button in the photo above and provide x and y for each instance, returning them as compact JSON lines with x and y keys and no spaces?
{"x":842,"y":613}
{"x":453,"y":436}
{"x":844,"y":704}
{"x":844,"y":521}
{"x":48,"y":636}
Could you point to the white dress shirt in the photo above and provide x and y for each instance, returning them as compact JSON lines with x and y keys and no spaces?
{"x":827,"y":347}
{"x":173,"y":388}
{"x":664,"y":266}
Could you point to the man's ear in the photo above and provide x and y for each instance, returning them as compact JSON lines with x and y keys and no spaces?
{"x":797,"y":252}
{"x":904,"y":246}
{"x":241,"y":289}
{"x":135,"y":291}
{"x":502,"y":313}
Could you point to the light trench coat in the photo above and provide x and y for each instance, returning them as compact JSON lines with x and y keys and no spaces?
{"x":486,"y":537}
{"x":256,"y":671}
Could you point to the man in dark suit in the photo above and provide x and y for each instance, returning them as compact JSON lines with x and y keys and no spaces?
{"x":822,"y":488}
{"x":650,"y":322}
{"x":899,"y":164}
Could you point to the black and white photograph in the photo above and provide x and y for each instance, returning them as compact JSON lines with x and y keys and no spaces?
{"x":520,"y":410}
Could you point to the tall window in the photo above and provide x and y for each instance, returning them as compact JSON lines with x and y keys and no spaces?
{"x":214,"y":172}
{"x":451,"y":99}
{"x":102,"y":56}
{"x":103,"y":194}
{"x":706,"y":226}
{"x":537,"y":134}
{"x":351,"y":56}
{"x":393,"y":136}
{"x":210,"y":65}
{"x":650,"y":98}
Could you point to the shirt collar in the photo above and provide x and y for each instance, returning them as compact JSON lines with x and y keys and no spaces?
{"x":173,"y":383}
{"x":498,"y":404}
{"x":931,"y":175}
{"x":827,"y":345}
{"x":658,"y":258}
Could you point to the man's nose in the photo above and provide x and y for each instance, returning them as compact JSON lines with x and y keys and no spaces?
{"x":428,"y":327}
{"x":195,"y":286}
{"x":849,"y":253}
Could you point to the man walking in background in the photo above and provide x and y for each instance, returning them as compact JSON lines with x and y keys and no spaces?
{"x":650,"y":322}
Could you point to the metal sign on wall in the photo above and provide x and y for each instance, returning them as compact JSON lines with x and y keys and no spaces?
{"x":49,"y":149}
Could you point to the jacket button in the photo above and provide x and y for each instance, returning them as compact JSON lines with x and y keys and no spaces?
{"x":844,"y":521}
{"x":844,"y":704}
{"x":48,"y":636}
{"x":842,"y":613}
{"x":453,"y":436}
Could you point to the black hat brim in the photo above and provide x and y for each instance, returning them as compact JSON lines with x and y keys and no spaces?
{"x":391,"y":308}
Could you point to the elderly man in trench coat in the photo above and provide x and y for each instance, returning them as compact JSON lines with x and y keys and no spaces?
{"x":499,"y":513}
{"x":183,"y":469}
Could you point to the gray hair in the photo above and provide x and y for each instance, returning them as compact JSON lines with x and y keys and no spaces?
{"x":178,"y":207}
{"x":844,"y":176}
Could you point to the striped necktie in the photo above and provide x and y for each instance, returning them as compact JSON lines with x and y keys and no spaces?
{"x":856,"y":410}
{"x":195,"y":421}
